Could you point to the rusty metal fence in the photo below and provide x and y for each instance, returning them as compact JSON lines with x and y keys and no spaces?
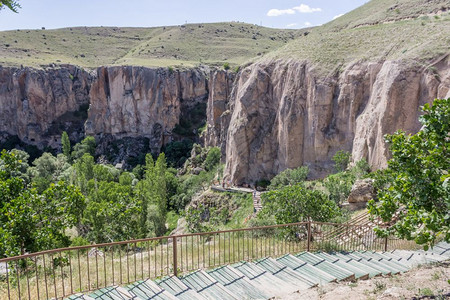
{"x":55,"y":274}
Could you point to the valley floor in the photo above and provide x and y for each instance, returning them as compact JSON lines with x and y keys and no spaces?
{"x":425,"y":282}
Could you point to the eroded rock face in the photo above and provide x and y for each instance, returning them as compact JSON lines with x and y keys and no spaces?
{"x":362,"y":191}
{"x":269,"y":117}
{"x":218,"y":117}
{"x":282,"y":115}
{"x":37,"y":105}
{"x":142,"y":102}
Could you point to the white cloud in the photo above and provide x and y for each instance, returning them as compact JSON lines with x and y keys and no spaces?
{"x":278,"y":12}
{"x":307,"y":24}
{"x":335,"y":17}
{"x":291,"y":25}
{"x":303,"y":8}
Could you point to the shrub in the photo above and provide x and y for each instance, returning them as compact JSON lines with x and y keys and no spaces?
{"x":226,"y":66}
{"x":296,"y":204}
{"x":212,"y":159}
{"x":341,"y":160}
{"x":289,"y":177}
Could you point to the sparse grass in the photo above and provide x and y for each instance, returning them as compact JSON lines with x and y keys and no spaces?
{"x":179,"y":46}
{"x":426,"y":292}
{"x":379,"y":287}
{"x":365,"y":34}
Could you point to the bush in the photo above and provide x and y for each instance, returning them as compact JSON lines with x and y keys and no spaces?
{"x":226,"y":66}
{"x":296,"y":204}
{"x":339,"y":186}
{"x":212,"y":159}
{"x":289,"y":177}
{"x":341,"y":160}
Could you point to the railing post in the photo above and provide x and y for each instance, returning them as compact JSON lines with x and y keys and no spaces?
{"x":386,"y":244}
{"x":309,"y":235}
{"x":175,"y":263}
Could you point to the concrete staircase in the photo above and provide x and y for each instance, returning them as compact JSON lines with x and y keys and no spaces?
{"x":257,"y":205}
{"x":267,"y":278}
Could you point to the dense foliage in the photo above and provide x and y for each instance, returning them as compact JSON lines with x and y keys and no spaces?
{"x":32,"y":221}
{"x":289,"y":177}
{"x":416,"y":186}
{"x":339,"y":185}
{"x":296,"y":203}
{"x":70,"y":199}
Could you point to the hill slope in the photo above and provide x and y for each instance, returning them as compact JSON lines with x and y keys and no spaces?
{"x":186,"y":45}
{"x":414,"y":30}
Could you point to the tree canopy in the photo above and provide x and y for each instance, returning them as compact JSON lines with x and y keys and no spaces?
{"x":32,"y":221}
{"x":415,"y":188}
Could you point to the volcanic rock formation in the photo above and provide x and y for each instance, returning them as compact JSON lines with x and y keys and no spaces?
{"x":281,"y":114}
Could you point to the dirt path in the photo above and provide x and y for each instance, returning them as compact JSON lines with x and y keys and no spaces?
{"x":426,"y":282}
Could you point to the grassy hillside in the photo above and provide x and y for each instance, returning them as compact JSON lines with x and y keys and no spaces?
{"x":380,"y":29}
{"x":185,"y":45}
{"x":413,"y":30}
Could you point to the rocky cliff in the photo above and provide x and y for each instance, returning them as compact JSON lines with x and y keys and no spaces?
{"x":113,"y":103}
{"x":37,"y":105}
{"x":142,"y":102}
{"x":270,"y":116}
{"x":280,"y":114}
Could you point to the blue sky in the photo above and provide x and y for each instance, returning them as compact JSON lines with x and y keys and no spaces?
{"x":149,"y":13}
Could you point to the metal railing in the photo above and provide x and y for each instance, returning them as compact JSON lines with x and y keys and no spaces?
{"x":55,"y":274}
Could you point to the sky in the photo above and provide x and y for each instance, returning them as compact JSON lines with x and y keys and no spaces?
{"x":50,"y":14}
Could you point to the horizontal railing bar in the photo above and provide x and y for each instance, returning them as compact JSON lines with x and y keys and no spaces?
{"x":52,"y":251}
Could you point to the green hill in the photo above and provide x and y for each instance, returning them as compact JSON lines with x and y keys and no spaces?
{"x":380,"y":29}
{"x":185,"y":45}
{"x":412,"y":30}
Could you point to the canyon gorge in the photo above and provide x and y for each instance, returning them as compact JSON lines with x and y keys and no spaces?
{"x":268,"y":116}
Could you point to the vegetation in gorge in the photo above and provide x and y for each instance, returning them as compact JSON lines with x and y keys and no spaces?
{"x":70,"y":199}
{"x":416,"y":185}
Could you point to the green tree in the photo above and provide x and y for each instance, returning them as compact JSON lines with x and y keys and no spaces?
{"x":341,"y":160}
{"x":48,"y":169}
{"x":30,"y":221}
{"x":83,"y":171}
{"x":212,"y":158}
{"x":87,"y":145}
{"x":152,"y":191}
{"x":296,"y":203}
{"x":289,"y":177}
{"x":11,"y":4}
{"x":416,"y":185}
{"x":112,"y":212}
{"x":65,"y":145}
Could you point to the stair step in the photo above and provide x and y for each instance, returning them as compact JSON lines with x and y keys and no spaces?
{"x":285,"y":273}
{"x":265,"y":280}
{"x":306,"y":270}
{"x":207,"y":286}
{"x":149,"y":290}
{"x":234,"y":280}
{"x":176,"y":287}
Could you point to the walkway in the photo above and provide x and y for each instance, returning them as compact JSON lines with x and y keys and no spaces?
{"x":256,"y":195}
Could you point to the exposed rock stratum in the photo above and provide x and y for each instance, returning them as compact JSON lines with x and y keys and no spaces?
{"x":268,"y":117}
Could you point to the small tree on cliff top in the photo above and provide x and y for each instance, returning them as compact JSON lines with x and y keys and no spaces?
{"x":418,"y":180}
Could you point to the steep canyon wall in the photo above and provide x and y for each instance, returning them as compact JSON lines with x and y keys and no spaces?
{"x":283,"y":115}
{"x":268,"y":117}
